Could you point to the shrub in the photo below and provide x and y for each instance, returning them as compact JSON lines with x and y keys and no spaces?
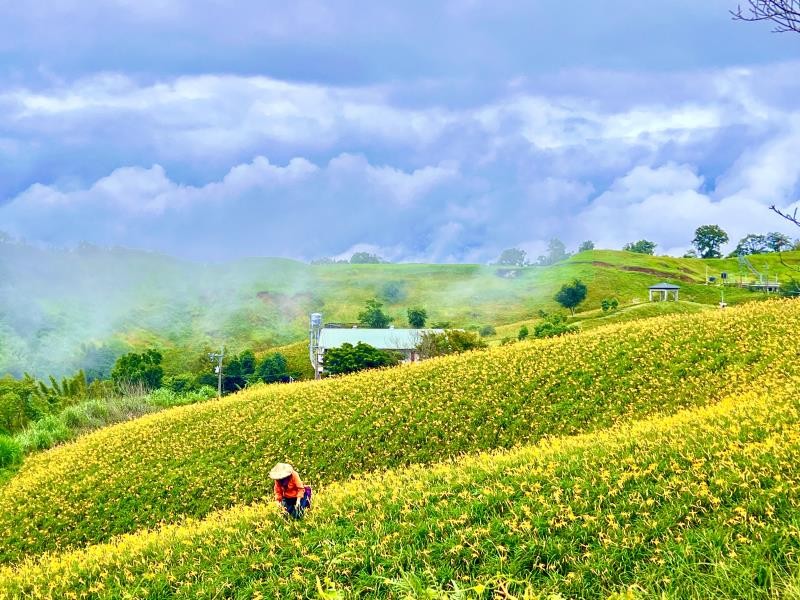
{"x":10,"y":451}
{"x":349,"y":358}
{"x":451,"y":341}
{"x":487,"y":331}
{"x":553,"y":326}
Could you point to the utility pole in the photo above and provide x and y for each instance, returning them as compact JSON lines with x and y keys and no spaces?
{"x":217,"y":357}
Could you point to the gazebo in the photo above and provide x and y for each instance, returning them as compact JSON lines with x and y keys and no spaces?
{"x":664,"y":290}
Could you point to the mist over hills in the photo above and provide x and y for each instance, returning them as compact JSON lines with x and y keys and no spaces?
{"x":65,"y":309}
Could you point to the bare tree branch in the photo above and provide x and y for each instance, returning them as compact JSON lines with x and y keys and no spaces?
{"x":785,"y":14}
{"x":793,"y":218}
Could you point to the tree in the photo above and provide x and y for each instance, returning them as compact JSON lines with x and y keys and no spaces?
{"x":365,"y":258}
{"x":393,"y":292}
{"x":752,"y":243}
{"x":417,"y":317}
{"x":691,"y":253}
{"x":777,"y":242}
{"x":239,"y":371}
{"x":523,"y":332}
{"x":641,"y":247}
{"x":372,"y":316}
{"x":708,"y":239}
{"x":487,"y":330}
{"x":784,"y":14}
{"x":556,"y":252}
{"x":571,"y":295}
{"x":513,"y":257}
{"x":142,"y":369}
{"x":586,"y":246}
{"x":451,"y":341}
{"x":273,"y":368}
{"x":349,"y":359}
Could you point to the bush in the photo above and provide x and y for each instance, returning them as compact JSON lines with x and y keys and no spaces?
{"x":451,"y":341}
{"x":44,"y":434}
{"x":349,"y":358}
{"x":523,"y":332}
{"x":487,"y":330}
{"x":553,"y":326}
{"x":10,"y":451}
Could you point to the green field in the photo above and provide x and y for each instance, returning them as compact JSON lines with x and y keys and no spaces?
{"x":55,"y":303}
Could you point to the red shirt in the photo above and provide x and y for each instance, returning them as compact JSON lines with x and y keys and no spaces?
{"x":293,"y":489}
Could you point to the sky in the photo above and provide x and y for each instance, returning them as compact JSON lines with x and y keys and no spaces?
{"x":419,"y":130}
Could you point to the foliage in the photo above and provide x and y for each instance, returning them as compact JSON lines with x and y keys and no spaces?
{"x":417,"y":317}
{"x":349,"y":359}
{"x":217,"y":454}
{"x":699,"y":504}
{"x":513,"y":257}
{"x":609,"y":304}
{"x":708,"y":239}
{"x":365,"y":258}
{"x":273,"y":368}
{"x":238,"y":371}
{"x":790,"y":289}
{"x":393,"y":292}
{"x":523,"y":332}
{"x":373,"y":316}
{"x":487,"y":331}
{"x":641,"y":247}
{"x":586,"y":246}
{"x":553,"y":326}
{"x":556,"y":252}
{"x":144,"y":368}
{"x":571,"y":295}
{"x":758,"y":244}
{"x":450,"y":341}
{"x":10,"y":452}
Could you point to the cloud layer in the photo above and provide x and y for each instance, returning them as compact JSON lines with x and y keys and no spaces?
{"x":446,"y":152}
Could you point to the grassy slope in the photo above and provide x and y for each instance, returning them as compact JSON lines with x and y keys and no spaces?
{"x":702,"y":504}
{"x":193,"y":460}
{"x":51,"y":302}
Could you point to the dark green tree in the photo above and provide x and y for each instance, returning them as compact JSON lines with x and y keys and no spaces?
{"x":778,"y":242}
{"x":349,"y":359}
{"x":641,"y":247}
{"x":708,"y":239}
{"x":523,"y":332}
{"x":571,"y":295}
{"x":556,"y":252}
{"x":586,"y":246}
{"x":393,"y":292}
{"x":752,"y":243}
{"x":139,"y":369}
{"x":417,"y":317}
{"x":513,"y":257}
{"x":373,"y":315}
{"x":273,"y":368}
{"x":238,"y":371}
{"x":487,"y":330}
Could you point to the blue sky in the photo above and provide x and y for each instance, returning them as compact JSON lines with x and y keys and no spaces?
{"x":436,"y":131}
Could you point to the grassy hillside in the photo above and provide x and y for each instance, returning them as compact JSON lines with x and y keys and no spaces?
{"x":54,"y":303}
{"x":196,"y":459}
{"x":702,"y":504}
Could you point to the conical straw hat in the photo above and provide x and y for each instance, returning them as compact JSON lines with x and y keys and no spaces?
{"x":280,"y":471}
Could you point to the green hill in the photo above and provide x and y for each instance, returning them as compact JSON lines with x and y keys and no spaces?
{"x":193,"y":460}
{"x":702,"y":504}
{"x":57,"y":307}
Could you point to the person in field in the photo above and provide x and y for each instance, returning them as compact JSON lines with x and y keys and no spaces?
{"x":290,"y":493}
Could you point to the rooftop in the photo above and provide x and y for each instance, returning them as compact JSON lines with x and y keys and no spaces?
{"x":664,"y":286}
{"x":385,"y":339}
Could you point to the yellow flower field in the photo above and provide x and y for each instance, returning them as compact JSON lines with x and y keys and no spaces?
{"x":190,"y":461}
{"x":701,"y":504}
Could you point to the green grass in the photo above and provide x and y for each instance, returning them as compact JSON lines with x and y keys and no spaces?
{"x":196,"y":459}
{"x":135,"y":299}
{"x":702,"y":504}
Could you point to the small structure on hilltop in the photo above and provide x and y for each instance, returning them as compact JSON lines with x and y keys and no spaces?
{"x":662,"y":291}
{"x":322,"y":338}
